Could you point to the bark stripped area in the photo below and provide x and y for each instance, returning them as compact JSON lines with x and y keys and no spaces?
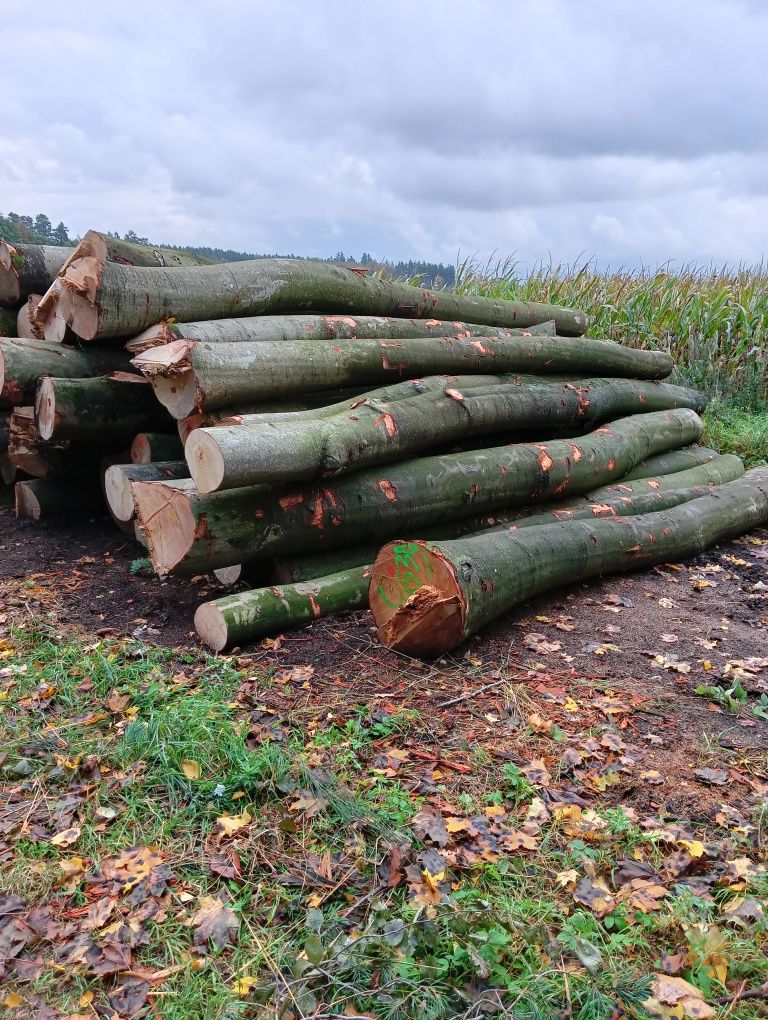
{"x":102,"y":299}
{"x":258,"y":328}
{"x":378,"y":432}
{"x":189,"y":376}
{"x":243,"y":525}
{"x":484,"y":576}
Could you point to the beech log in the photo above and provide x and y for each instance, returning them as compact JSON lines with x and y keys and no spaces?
{"x":60,"y":497}
{"x":258,"y":328}
{"x":28,"y":269}
{"x":24,"y":360}
{"x":8,"y":470}
{"x":119,"y":477}
{"x":427,"y":598}
{"x":188,"y":531}
{"x":154,"y":446}
{"x":669,"y":463}
{"x":8,"y":321}
{"x":190,"y":377}
{"x":89,"y":410}
{"x":378,"y":432}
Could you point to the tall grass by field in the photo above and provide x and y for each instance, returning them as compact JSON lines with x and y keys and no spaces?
{"x":713,"y":321}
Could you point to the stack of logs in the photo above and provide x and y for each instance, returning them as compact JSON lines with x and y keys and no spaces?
{"x":327,"y":440}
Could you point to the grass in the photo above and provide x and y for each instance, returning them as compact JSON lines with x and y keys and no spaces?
{"x":120,"y":722}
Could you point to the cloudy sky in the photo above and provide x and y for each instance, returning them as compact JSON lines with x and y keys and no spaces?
{"x":631,"y":132}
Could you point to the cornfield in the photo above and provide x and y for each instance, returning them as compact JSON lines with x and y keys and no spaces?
{"x":714,"y":321}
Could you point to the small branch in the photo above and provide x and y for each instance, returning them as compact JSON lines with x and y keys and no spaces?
{"x":472,"y":694}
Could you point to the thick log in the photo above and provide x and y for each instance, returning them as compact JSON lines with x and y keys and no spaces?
{"x":620,"y":500}
{"x":428,"y":597}
{"x":101,"y":299}
{"x":8,"y":470}
{"x":61,"y":497}
{"x":23,"y":361}
{"x":675,"y":460}
{"x":189,"y":531}
{"x":90,"y":410}
{"x":118,"y":479}
{"x":25,"y":451}
{"x":190,"y":377}
{"x":249,"y":615}
{"x":258,"y":328}
{"x":28,"y":269}
{"x":378,"y":432}
{"x":154,"y":446}
{"x":8,"y":321}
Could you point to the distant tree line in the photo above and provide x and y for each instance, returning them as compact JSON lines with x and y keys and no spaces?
{"x":39,"y":230}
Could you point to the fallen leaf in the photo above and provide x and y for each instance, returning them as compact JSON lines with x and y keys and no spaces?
{"x":214,"y":922}
{"x":191,"y":769}
{"x":712,"y":777}
{"x":228,"y":825}
{"x":67,"y":837}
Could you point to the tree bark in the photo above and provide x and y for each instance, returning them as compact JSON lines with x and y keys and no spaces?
{"x":378,"y":432}
{"x":28,"y":269}
{"x":187,"y":531}
{"x":250,"y":615}
{"x":428,"y":597}
{"x":620,"y":500}
{"x":669,"y":463}
{"x":45,"y":460}
{"x":8,"y":322}
{"x":7,"y":469}
{"x":42,"y":498}
{"x":118,"y":480}
{"x":90,"y":410}
{"x":190,"y":377}
{"x":101,"y":299}
{"x":148,"y":447}
{"x":258,"y":328}
{"x":23,"y":361}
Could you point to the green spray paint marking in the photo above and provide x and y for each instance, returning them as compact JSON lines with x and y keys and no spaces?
{"x":410,"y":571}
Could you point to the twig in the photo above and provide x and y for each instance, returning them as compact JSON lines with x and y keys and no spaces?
{"x":750,"y":993}
{"x":472,"y":694}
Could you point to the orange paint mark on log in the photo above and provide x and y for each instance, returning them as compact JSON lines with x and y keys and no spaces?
{"x":545,"y":461}
{"x":358,"y":403}
{"x":454,"y":394}
{"x":289,"y":502}
{"x":388,"y":422}
{"x":388,"y":489}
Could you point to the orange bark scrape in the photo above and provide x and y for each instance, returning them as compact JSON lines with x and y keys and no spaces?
{"x":611,"y":464}
{"x":201,"y":529}
{"x":388,"y":489}
{"x":575,"y":453}
{"x":316,"y":611}
{"x":545,"y":461}
{"x":289,"y":502}
{"x":321,"y":497}
{"x":454,"y":394}
{"x":388,"y":422}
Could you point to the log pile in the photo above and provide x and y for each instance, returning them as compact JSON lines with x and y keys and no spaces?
{"x":343,"y":440}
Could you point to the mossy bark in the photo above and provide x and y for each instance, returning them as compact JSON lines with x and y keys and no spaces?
{"x":8,"y":322}
{"x":114,"y":300}
{"x":669,"y":463}
{"x":258,"y":328}
{"x":95,"y":410}
{"x":187,"y":531}
{"x":378,"y":432}
{"x":428,"y":597}
{"x":191,"y":377}
{"x":28,"y":269}
{"x":23,"y":361}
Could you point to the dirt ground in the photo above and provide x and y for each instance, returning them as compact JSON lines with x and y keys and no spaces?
{"x":629,"y":650}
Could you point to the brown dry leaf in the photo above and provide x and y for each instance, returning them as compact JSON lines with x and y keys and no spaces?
{"x":643,"y":894}
{"x":539,"y":724}
{"x":536,"y":772}
{"x":595,"y":894}
{"x":298,"y":674}
{"x":132,"y":865}
{"x":191,"y":769}
{"x":429,"y":824}
{"x":538,"y":643}
{"x":674,"y":997}
{"x":228,"y":825}
{"x":117,"y":703}
{"x":652,"y":776}
{"x":67,"y":837}
{"x":213,"y":921}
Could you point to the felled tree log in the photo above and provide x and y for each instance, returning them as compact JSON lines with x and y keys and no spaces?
{"x":377,"y":432}
{"x":45,"y":460}
{"x":258,"y":328}
{"x":8,"y":469}
{"x":28,"y":269}
{"x":101,"y":299}
{"x":191,"y":377}
{"x":428,"y":597}
{"x":119,"y":477}
{"x":249,"y":615}
{"x":155,"y":446}
{"x":619,"y":500}
{"x":41,"y":498}
{"x":669,"y":463}
{"x":187,"y":530}
{"x":23,"y":361}
{"x":90,"y":410}
{"x":24,"y":328}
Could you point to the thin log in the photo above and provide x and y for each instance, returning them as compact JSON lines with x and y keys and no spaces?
{"x":61,"y":497}
{"x":88,"y":410}
{"x":101,"y":299}
{"x":258,"y":328}
{"x":154,"y":446}
{"x":118,"y":479}
{"x":428,"y":597}
{"x":187,"y":530}
{"x":24,"y":360}
{"x":28,"y":269}
{"x":250,"y":615}
{"x":378,"y":432}
{"x":190,"y":377}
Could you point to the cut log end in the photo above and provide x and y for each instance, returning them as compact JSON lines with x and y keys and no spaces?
{"x":45,"y":408}
{"x":25,"y":317}
{"x":167,"y":521}
{"x":10,"y":291}
{"x":117,"y":490}
{"x":27,"y":504}
{"x":211,"y":626}
{"x":229,"y":575}
{"x":141,"y":450}
{"x":417,"y":604}
{"x":205,"y":461}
